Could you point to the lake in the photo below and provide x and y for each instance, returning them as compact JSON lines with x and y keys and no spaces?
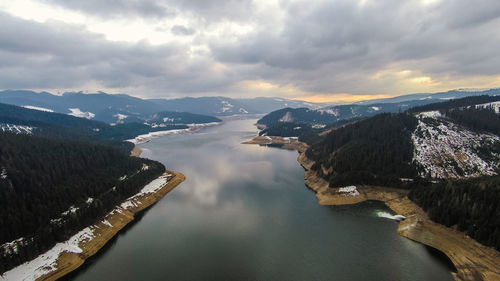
{"x":244,"y":213}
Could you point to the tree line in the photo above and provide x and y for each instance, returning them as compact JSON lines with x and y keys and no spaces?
{"x":472,"y":205}
{"x":51,"y":188}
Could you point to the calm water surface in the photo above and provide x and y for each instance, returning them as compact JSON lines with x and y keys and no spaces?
{"x":244,"y":213}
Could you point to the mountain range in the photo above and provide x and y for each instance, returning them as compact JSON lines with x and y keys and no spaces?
{"x":121,"y":108}
{"x":330,"y":114}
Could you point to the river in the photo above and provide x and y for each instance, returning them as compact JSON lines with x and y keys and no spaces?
{"x":244,"y":213}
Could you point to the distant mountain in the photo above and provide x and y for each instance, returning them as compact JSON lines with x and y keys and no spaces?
{"x":436,"y":97}
{"x":175,"y":118}
{"x":100,"y":106}
{"x":335,"y":113}
{"x":222,"y":106}
{"x":120,"y":108}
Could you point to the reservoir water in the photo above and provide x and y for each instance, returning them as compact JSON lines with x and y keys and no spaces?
{"x":244,"y":213}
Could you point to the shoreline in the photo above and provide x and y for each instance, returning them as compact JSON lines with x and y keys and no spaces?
{"x":68,"y":256}
{"x":192,"y":128}
{"x":118,"y":219}
{"x":472,"y":260}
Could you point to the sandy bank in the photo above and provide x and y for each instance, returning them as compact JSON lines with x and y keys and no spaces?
{"x":71,"y":254}
{"x":472,"y":260}
{"x":136,"y":152}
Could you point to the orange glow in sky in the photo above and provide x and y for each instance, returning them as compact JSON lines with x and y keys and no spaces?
{"x":340,"y":98}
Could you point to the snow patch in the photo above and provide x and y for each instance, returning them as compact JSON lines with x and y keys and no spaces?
{"x":78,"y":113}
{"x":430,"y":114}
{"x":107,"y":223}
{"x":38,"y":108}
{"x":226,"y":106}
{"x":72,"y":209}
{"x":151,"y":187}
{"x":493,"y":105}
{"x":46,"y":262}
{"x":387,"y":215}
{"x":318,"y":126}
{"x":3,"y":175}
{"x":348,"y":191}
{"x":120,"y":117}
{"x":331,"y":111}
{"x":287,"y":117}
{"x":147,"y":137}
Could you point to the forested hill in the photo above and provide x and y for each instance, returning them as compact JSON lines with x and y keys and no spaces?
{"x":396,"y":149}
{"x":456,"y":103}
{"x":470,"y":205}
{"x":170,"y":117}
{"x":51,"y":188}
{"x":448,"y":154}
{"x":69,"y":127}
{"x":118,"y":108}
{"x":298,"y":115}
{"x":375,"y":151}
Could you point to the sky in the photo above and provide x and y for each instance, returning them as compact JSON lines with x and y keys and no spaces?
{"x":319,"y":51}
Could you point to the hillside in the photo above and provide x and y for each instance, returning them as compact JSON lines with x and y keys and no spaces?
{"x":470,"y":205}
{"x":69,"y":127}
{"x":376,"y":151}
{"x":413,"y":103}
{"x":393,"y":149}
{"x":449,"y":157}
{"x":176,"y":118}
{"x":51,"y":188}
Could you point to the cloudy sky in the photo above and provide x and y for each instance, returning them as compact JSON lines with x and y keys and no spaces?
{"x":336,"y":50}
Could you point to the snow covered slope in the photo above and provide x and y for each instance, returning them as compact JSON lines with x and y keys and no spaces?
{"x":446,"y":150}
